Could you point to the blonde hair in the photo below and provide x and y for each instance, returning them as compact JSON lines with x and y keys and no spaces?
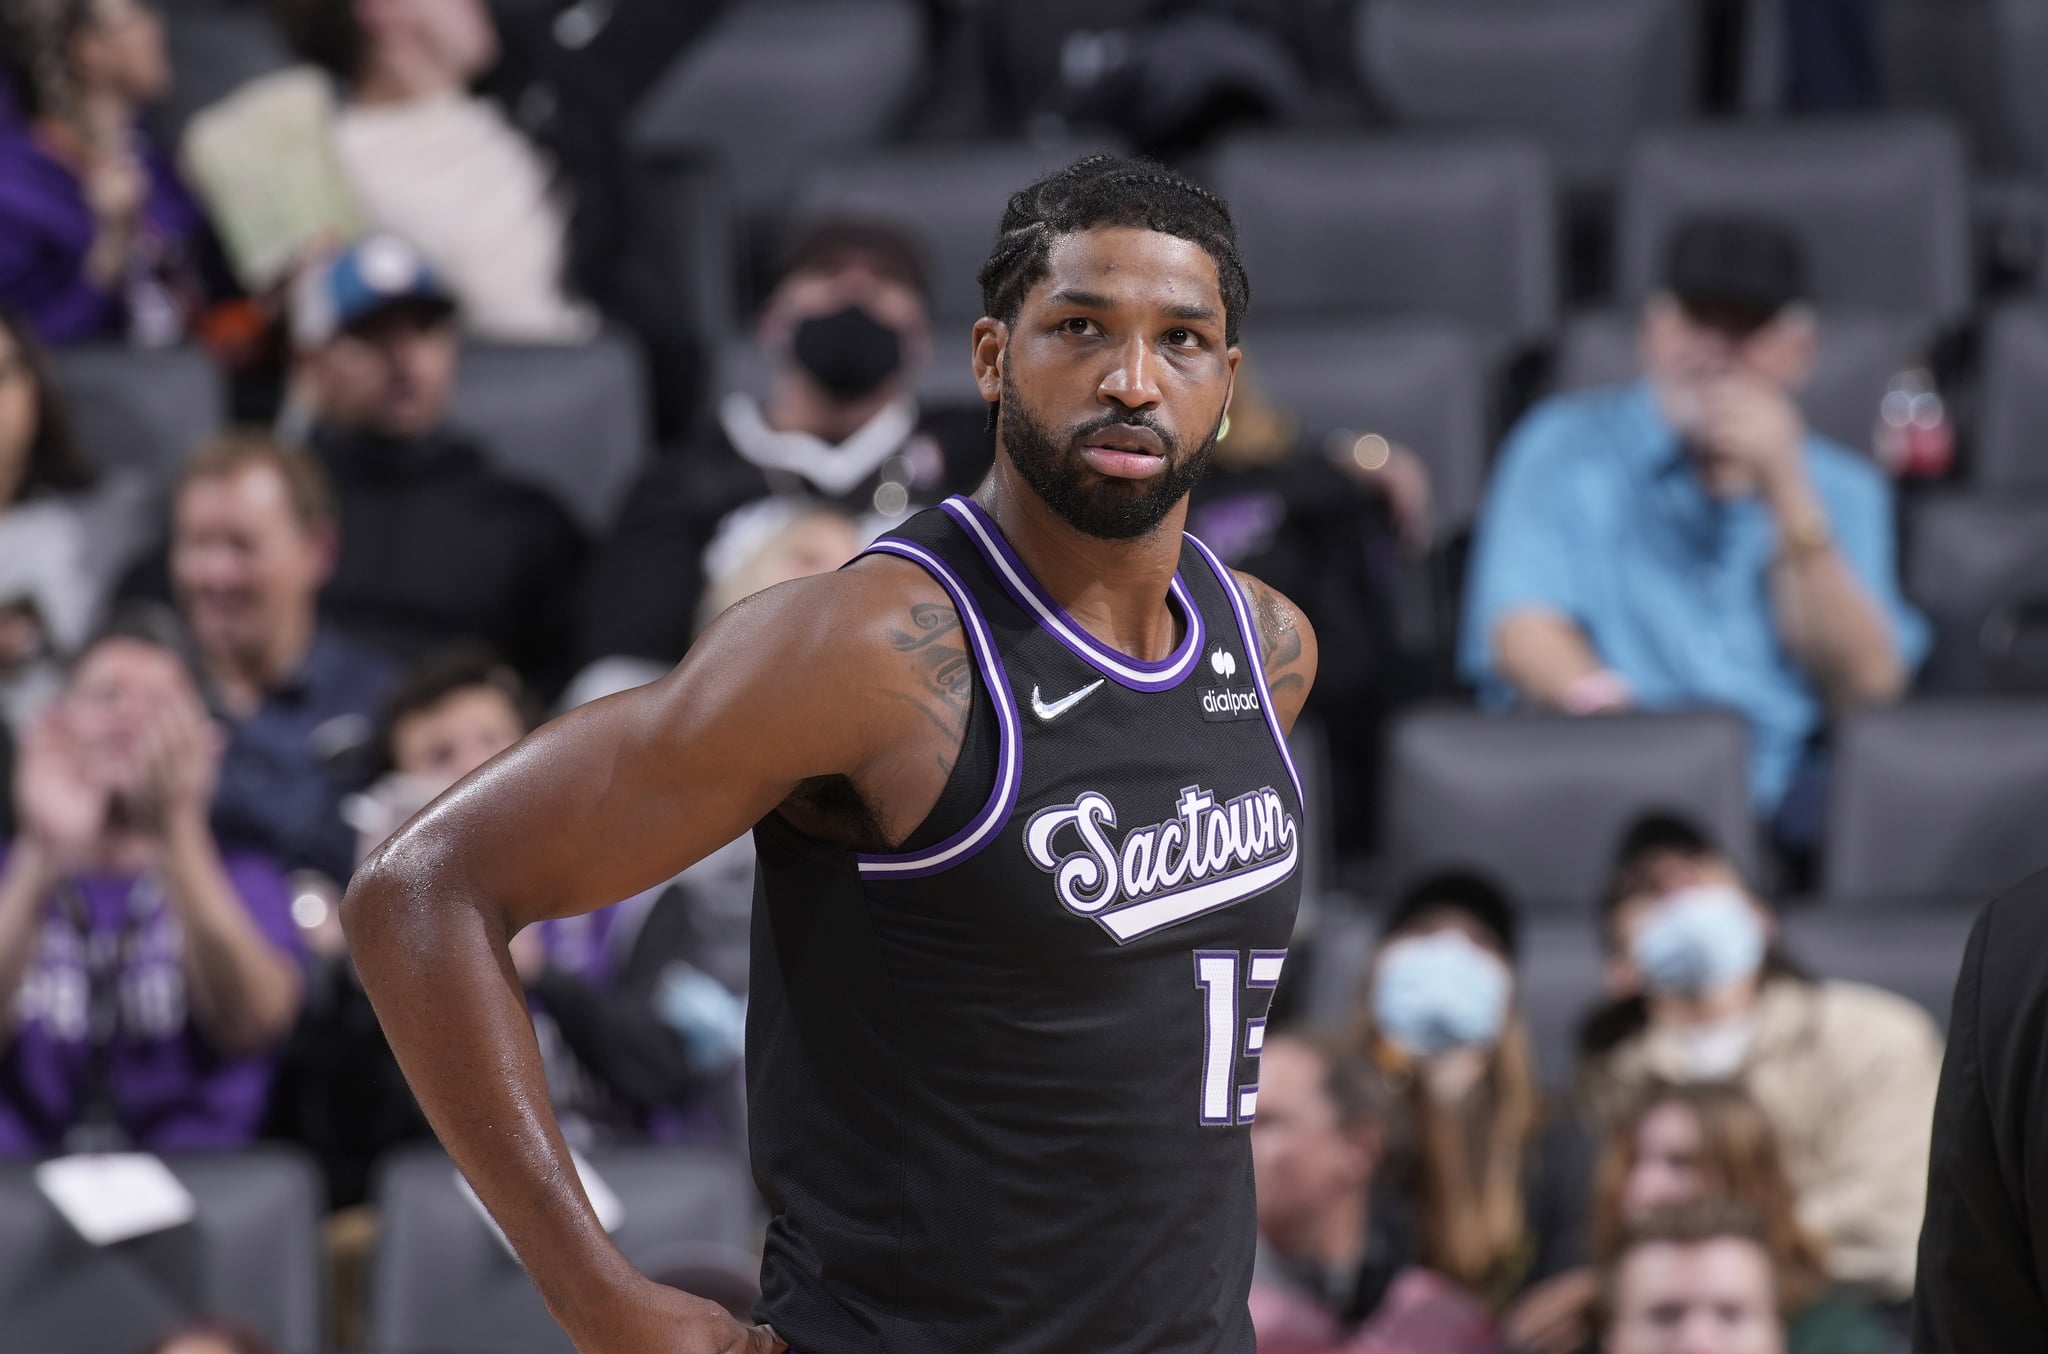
{"x":1739,"y":1163}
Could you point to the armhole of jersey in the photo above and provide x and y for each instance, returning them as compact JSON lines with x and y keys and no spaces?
{"x":1241,"y":605}
{"x":983,"y":827}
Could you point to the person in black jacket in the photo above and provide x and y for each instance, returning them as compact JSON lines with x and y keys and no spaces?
{"x":1983,"y":1273}
{"x":436,"y":544}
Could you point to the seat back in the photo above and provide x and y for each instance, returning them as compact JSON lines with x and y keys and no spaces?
{"x":146,"y":409}
{"x":1583,"y":75}
{"x":2011,"y":447}
{"x":1858,"y":356}
{"x":442,"y":1283}
{"x":1882,"y":206}
{"x":1540,"y":802}
{"x":1978,"y":566}
{"x":1937,"y":799}
{"x":570,"y":418}
{"x":1452,"y":228}
{"x":1420,"y":383}
{"x":252,"y":1253}
{"x":775,"y":84}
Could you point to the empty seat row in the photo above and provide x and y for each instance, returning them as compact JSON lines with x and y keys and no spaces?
{"x":1934,"y":803}
{"x":441,"y":1281}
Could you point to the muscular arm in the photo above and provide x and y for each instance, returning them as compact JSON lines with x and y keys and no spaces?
{"x":800,"y":683}
{"x":1287,"y":649}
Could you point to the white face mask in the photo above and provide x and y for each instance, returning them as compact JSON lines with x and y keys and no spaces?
{"x":1699,"y":941}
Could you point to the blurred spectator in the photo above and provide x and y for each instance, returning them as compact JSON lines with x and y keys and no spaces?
{"x":1322,"y":1285}
{"x":1831,"y":61}
{"x":1315,"y":530}
{"x":1980,"y":1289}
{"x":442,"y":167}
{"x":253,"y":539}
{"x":436,"y":543}
{"x":213,"y":1335}
{"x":848,"y":332}
{"x":151,"y":975}
{"x":66,"y":531}
{"x":773,"y":541}
{"x":1699,"y":992}
{"x":1682,"y":1144}
{"x":98,"y":239}
{"x":1695,"y":1279}
{"x":1687,"y":540}
{"x":1498,"y":1187}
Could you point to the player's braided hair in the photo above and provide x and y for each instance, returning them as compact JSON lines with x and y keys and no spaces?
{"x":1109,"y":190}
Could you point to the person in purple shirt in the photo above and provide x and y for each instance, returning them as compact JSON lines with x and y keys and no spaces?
{"x":146,"y":976}
{"x":98,"y":239}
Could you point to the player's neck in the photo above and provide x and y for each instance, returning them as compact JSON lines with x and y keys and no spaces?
{"x":1116,"y":590}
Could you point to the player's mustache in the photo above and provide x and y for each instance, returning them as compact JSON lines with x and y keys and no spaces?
{"x":1130,"y":418}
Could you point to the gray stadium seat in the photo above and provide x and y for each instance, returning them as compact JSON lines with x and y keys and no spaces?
{"x":1978,"y":62}
{"x":1859,"y":355}
{"x":144,"y":408}
{"x":1977,"y":565}
{"x":1882,"y":206}
{"x":1419,"y":383}
{"x":776,"y":83}
{"x":441,"y":1283}
{"x":1461,"y":229}
{"x":2010,"y":450}
{"x":1584,"y":75}
{"x":253,"y":1254}
{"x":1541,"y":801}
{"x":214,"y":53}
{"x":570,"y":418}
{"x":949,"y":196}
{"x":1937,"y":801}
{"x":1916,"y":954}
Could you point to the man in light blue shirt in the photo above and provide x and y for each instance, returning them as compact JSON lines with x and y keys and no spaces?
{"x":1686,"y":540}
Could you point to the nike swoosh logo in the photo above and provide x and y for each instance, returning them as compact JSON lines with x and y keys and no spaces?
{"x":1048,"y":713}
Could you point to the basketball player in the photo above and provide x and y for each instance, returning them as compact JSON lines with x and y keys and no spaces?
{"x":1029,"y":845}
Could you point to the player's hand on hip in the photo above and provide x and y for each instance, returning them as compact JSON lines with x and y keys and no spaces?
{"x":658,"y":1319}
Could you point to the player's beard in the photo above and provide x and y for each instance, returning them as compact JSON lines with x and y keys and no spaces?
{"x":1099,"y":505}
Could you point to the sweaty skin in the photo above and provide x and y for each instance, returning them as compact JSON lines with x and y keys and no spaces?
{"x":839,"y":701}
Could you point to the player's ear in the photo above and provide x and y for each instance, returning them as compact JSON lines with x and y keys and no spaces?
{"x":1232,"y":356}
{"x":991,"y":338}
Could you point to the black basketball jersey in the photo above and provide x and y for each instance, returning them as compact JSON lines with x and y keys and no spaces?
{"x":1001,"y":1081}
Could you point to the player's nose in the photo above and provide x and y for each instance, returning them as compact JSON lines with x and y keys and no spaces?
{"x":1133,"y":382}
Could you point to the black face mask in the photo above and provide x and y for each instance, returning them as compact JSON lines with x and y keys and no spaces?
{"x":849,"y":352}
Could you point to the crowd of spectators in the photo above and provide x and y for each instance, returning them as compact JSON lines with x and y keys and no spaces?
{"x":219,"y":693}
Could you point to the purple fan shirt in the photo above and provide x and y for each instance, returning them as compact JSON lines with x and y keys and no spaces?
{"x":46,"y":230}
{"x":172,"y":1091}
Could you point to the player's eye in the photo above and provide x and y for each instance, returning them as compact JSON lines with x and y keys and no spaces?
{"x":1183,"y":338}
{"x":1077,"y":324}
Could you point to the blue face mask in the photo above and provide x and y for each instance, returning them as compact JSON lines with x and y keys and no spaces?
{"x":1440,"y":992}
{"x":1699,"y":940}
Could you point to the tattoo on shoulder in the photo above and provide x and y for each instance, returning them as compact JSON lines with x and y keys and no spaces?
{"x":944,"y":691}
{"x":1279,"y":638}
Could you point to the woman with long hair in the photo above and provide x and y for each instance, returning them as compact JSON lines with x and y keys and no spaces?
{"x":1704,"y":1142}
{"x":66,"y":532}
{"x":1493,"y":1183}
{"x":98,"y":238}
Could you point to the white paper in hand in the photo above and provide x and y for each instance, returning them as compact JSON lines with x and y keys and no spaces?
{"x":610,"y":1212}
{"x":116,"y":1196}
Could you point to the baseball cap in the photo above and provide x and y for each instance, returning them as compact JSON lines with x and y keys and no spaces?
{"x":375,"y":272}
{"x":1734,"y":272}
{"x":824,"y":241}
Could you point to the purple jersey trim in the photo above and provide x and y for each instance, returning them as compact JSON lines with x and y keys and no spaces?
{"x":1032,"y":596}
{"x":1009,"y":757}
{"x":1238,"y":604}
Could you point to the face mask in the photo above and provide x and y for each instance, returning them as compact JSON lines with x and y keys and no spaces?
{"x":1438,"y":993}
{"x":1699,"y":940}
{"x":849,"y":352}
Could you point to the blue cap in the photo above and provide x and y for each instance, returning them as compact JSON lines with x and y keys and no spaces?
{"x":375,"y":272}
